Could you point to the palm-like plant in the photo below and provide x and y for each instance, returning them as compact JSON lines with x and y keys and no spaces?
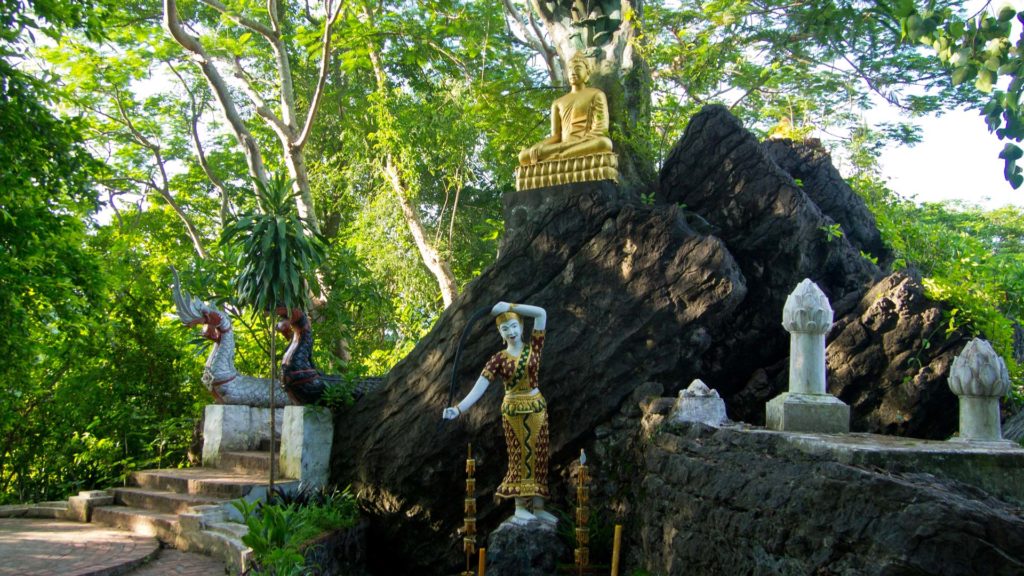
{"x":275,"y":254}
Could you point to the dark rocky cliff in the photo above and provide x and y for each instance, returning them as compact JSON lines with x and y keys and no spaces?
{"x":691,"y":286}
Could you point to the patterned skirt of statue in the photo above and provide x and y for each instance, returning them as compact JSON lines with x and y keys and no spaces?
{"x":524,"y":418}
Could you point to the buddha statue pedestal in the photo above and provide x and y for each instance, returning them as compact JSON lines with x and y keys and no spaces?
{"x":557,"y":171}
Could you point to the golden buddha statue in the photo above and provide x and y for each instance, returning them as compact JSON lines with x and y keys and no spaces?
{"x":578,"y":148}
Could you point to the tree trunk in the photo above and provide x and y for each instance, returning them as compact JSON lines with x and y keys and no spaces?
{"x":437,"y":265}
{"x":285,"y":123}
{"x":431,"y":258}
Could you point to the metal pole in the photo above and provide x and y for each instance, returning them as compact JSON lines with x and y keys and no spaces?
{"x":273,"y":385}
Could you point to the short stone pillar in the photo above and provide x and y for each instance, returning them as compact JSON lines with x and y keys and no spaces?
{"x":698,"y":403}
{"x":306,"y":441}
{"x":233,"y":427}
{"x":807,"y":406}
{"x":530,"y":549}
{"x":979,"y":378}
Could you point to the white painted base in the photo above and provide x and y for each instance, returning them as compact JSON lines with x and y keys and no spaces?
{"x":306,"y":441}
{"x":233,"y":427}
{"x":708,"y":410}
{"x":822,"y":413}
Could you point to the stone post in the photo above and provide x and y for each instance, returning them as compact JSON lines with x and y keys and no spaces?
{"x":979,"y":378}
{"x":233,"y":427}
{"x":306,"y":440}
{"x":807,"y":406}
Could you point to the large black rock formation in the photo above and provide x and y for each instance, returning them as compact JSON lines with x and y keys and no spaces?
{"x":692,"y":286}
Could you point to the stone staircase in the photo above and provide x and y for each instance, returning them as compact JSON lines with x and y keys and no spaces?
{"x":190,"y":509}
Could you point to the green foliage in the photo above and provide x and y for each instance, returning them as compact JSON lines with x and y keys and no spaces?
{"x":271,"y":536}
{"x":978,"y":48}
{"x":832,"y":231}
{"x":274,"y":253}
{"x":81,"y":305}
{"x":278,"y":530}
{"x":337,"y":395}
{"x":786,"y":68}
{"x":969,"y":258}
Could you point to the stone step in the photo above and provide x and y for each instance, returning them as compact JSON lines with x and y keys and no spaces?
{"x":161,"y":500}
{"x":234,"y":529}
{"x":264,"y":445}
{"x":248,"y":462}
{"x":161,"y":525}
{"x":53,"y":510}
{"x":212,"y":482}
{"x":224,"y":540}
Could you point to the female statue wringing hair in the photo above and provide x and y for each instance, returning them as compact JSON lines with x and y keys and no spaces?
{"x":524,"y":416}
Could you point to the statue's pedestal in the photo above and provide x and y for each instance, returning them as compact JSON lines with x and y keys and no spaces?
{"x":306,"y":444}
{"x":795,"y":412}
{"x":232,"y":427}
{"x":516,"y":549}
{"x":589,"y":168}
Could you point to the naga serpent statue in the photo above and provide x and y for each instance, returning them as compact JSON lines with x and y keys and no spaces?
{"x":303,"y":383}
{"x":219,"y":374}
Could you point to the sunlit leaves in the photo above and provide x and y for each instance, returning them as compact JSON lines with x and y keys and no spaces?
{"x":276,"y":256}
{"x":979,"y":49}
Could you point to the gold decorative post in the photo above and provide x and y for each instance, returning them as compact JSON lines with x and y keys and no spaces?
{"x":582,"y":552}
{"x":482,"y":568}
{"x":469,"y":528}
{"x":616,"y":549}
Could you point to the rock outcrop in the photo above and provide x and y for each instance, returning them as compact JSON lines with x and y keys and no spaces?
{"x":632,"y":293}
{"x":809,"y":164}
{"x":637,"y":296}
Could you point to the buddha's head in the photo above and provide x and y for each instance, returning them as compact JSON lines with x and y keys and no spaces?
{"x":579,"y":69}
{"x":510,"y":326}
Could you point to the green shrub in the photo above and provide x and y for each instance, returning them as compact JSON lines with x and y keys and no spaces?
{"x":277,"y":530}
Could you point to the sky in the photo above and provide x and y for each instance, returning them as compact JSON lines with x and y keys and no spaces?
{"x":957,"y":159}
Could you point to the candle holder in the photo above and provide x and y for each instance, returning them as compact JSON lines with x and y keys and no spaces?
{"x":469,"y":510}
{"x":582,"y":551}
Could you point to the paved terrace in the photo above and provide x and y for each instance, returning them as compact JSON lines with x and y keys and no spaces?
{"x":35,"y":547}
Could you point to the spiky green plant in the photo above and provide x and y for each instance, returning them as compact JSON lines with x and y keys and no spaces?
{"x":276,"y":255}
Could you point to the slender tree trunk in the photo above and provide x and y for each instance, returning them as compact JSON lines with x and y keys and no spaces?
{"x":273,"y":408}
{"x":286,"y":124}
{"x":433,"y":260}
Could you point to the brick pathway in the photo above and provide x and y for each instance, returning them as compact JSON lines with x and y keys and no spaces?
{"x":32,"y":547}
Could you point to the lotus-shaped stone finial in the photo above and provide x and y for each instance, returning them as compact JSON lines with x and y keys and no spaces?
{"x":979,"y":371}
{"x":807,"y":310}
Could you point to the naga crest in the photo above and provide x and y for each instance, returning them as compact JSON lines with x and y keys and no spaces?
{"x":193,"y":312}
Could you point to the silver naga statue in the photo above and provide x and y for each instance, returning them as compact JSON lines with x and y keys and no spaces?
{"x":219,"y":375}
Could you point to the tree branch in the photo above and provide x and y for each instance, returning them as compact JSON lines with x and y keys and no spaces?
{"x":272,"y":11}
{"x":270,"y":35}
{"x":325,"y":60}
{"x":259,"y":104}
{"x":219,"y":87}
{"x":195,"y":111}
{"x":163,"y":189}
